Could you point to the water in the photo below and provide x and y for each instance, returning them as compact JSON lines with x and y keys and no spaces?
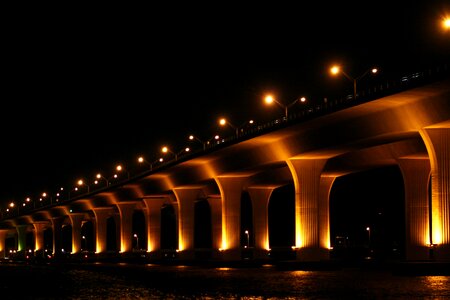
{"x":124,"y":281}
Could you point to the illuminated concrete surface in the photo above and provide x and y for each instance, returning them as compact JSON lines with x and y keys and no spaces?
{"x":410,"y":129}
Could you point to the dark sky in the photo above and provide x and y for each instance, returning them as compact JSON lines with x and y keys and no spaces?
{"x":84,"y":88}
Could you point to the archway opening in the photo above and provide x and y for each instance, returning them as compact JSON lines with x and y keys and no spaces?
{"x":87,"y":236}
{"x":169,"y":237}
{"x":139,"y":231}
{"x":202,"y":225}
{"x":282,"y":222}
{"x":247,"y":236}
{"x":66,"y":239}
{"x":111,"y":235}
{"x":367,"y":215}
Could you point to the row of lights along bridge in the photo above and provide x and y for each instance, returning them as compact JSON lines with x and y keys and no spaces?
{"x":82,"y":186}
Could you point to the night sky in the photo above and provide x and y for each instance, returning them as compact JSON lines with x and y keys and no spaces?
{"x":85,"y":88}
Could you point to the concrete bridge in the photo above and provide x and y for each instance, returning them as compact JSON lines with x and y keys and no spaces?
{"x":409,"y":129}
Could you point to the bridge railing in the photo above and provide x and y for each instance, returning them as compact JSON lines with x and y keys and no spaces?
{"x":389,"y":87}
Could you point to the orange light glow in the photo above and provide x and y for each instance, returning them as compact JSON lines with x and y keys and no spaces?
{"x":446,"y":23}
{"x":335,"y":70}
{"x":222,"y":121}
{"x":269,"y":99}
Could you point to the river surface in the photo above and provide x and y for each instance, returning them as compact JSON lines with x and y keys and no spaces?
{"x":128,"y":281}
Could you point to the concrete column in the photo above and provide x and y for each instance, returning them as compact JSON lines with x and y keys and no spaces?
{"x":57,"y":230}
{"x":126,"y":210}
{"x":416,"y":174}
{"x":153,"y":222}
{"x":186,"y":198}
{"x":231,"y":191}
{"x":3,"y":233}
{"x":215,"y":204}
{"x":437,"y":141}
{"x":39,"y":238}
{"x":76,"y":220}
{"x":21,"y":237}
{"x":311,"y":208}
{"x":260,"y":204}
{"x":101,"y":215}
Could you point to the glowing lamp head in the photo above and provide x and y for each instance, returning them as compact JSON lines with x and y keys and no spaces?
{"x":99,"y":176}
{"x":164,"y":149}
{"x":140,"y":159}
{"x":269,"y":99}
{"x":302,"y":99}
{"x":222,"y":121}
{"x":335,"y":70}
{"x":119,"y":168}
{"x":446,"y":23}
{"x":80,"y":182}
{"x":191,"y":137}
{"x":374,"y":70}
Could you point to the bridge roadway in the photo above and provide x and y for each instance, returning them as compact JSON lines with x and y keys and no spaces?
{"x":410,"y":129}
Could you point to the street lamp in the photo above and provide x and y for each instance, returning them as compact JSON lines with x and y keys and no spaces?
{"x":248,"y":238}
{"x":223,"y":122}
{"x":269,"y":99}
{"x":334,"y":70}
{"x":80,"y":182}
{"x":100,"y":176}
{"x":120,"y":168}
{"x":193,"y":137}
{"x":368,"y":231}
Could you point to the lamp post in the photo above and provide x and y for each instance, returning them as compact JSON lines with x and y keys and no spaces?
{"x":100,"y":176}
{"x":368,"y":231}
{"x":81,"y":182}
{"x":334,"y":70}
{"x":223,"y":122}
{"x":137,"y":241}
{"x":269,"y":99}
{"x":248,"y":238}
{"x":120,"y":168}
{"x":193,"y":137}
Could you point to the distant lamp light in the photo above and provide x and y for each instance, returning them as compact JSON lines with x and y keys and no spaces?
{"x":222,"y":121}
{"x":269,"y":99}
{"x":335,"y":70}
{"x":446,"y":23}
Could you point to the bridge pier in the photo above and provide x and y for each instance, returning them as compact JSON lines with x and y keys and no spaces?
{"x":416,"y":174}
{"x":126,"y":210}
{"x":312,"y":226}
{"x":3,"y":233}
{"x":39,"y":228}
{"x":437,"y":142}
{"x":260,"y":204}
{"x":231,"y":190}
{"x":76,"y":220}
{"x":101,"y":215}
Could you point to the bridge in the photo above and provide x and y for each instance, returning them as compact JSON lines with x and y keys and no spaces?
{"x":406,"y":124}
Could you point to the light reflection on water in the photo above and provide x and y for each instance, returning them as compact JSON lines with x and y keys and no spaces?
{"x":186,"y":282}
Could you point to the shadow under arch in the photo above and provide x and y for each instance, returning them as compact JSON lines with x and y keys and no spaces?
{"x":367,"y":215}
{"x":66,"y":239}
{"x":246,"y":231}
{"x":169,"y":232}
{"x":139,"y":230}
{"x":202,"y":225}
{"x":281,"y":215}
{"x":111,"y":235}
{"x":87,"y":236}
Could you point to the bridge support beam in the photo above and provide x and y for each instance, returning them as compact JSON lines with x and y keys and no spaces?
{"x":416,"y":174}
{"x":76,"y":220}
{"x":260,"y":204}
{"x":3,"y":233}
{"x":437,"y":141}
{"x":57,"y":228}
{"x":21,"y":238}
{"x":231,"y":191}
{"x":186,"y":198}
{"x":312,"y":228}
{"x":101,"y":216}
{"x":153,"y":223}
{"x":39,"y":238}
{"x":126,"y":210}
